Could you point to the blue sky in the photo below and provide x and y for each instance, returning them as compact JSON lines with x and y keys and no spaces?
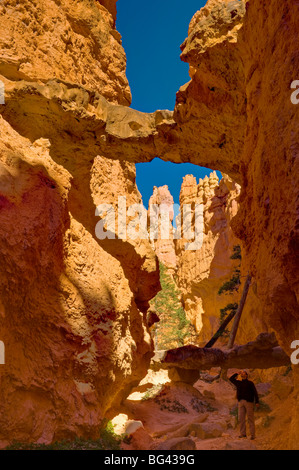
{"x":152,"y":33}
{"x":158,"y":173}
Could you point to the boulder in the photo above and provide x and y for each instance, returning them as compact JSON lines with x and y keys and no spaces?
{"x":177,"y":443}
{"x":243,"y":444}
{"x":207,"y":430}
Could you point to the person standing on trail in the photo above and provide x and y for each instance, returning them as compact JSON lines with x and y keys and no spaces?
{"x":246,"y":396}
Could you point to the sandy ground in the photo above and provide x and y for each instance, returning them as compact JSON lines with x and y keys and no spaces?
{"x":159,"y":410}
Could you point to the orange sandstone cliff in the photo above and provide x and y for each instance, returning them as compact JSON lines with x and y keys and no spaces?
{"x":72,"y":306}
{"x":200,"y":273}
{"x":161,"y":214}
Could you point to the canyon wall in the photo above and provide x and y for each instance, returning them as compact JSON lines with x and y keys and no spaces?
{"x":71,"y":42}
{"x":237,"y":47}
{"x":200,"y":273}
{"x":236,"y":115}
{"x":268,"y":219}
{"x":161,"y":214}
{"x":263,"y":62}
{"x":73,"y":307}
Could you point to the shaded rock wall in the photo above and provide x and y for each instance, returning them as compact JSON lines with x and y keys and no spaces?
{"x":72,"y":306}
{"x":264,"y":65}
{"x":242,"y":56}
{"x":268,"y":219}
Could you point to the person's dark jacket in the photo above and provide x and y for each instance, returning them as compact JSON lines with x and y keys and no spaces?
{"x":245,"y":389}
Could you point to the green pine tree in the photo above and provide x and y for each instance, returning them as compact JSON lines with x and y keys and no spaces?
{"x":173,"y":330}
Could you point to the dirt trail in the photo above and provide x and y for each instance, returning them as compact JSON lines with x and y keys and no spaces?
{"x":204,"y":413}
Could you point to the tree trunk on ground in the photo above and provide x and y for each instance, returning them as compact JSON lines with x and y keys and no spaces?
{"x":263,"y":353}
{"x":220,"y":329}
{"x":239,"y":313}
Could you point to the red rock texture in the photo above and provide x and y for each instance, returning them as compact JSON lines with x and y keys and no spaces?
{"x":75,"y":42}
{"x":161,"y":207}
{"x":201,"y":273}
{"x":73,"y":307}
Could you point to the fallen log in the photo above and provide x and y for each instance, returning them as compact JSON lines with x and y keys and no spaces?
{"x":239,"y":312}
{"x":220,"y":330}
{"x":262,"y":353}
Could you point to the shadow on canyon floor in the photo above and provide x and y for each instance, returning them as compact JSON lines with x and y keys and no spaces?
{"x":161,"y":413}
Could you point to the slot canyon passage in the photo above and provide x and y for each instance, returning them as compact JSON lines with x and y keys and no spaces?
{"x":76,"y":310}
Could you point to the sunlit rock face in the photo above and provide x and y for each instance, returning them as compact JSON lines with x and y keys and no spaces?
{"x":268,"y":219}
{"x":200,"y":270}
{"x":265,"y":64}
{"x":73,"y":307}
{"x":75,"y":42}
{"x":160,"y":226}
{"x":203,"y":271}
{"x":253,"y":39}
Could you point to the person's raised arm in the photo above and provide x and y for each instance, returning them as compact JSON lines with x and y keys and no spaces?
{"x":233,"y":378}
